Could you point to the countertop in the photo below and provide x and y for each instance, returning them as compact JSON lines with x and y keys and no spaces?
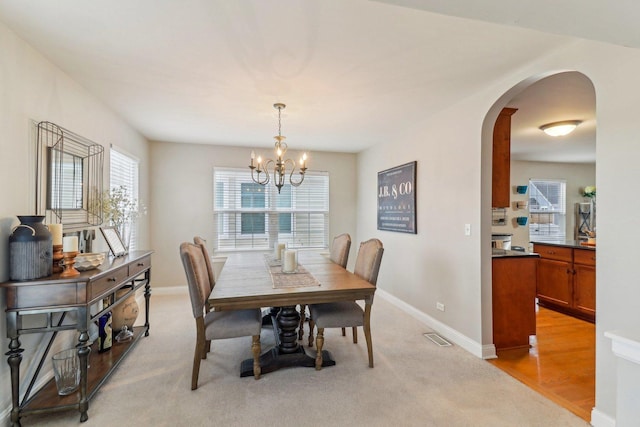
{"x":568,"y":244}
{"x":503,"y":253}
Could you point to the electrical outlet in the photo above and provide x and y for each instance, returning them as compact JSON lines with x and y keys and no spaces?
{"x":467,"y":229}
{"x":440,"y":306}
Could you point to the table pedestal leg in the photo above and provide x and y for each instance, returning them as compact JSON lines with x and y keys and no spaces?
{"x":288,"y":353}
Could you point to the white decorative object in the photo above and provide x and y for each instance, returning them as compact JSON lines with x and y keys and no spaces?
{"x":290,"y":261}
{"x":70,"y":244}
{"x":280,"y":247}
{"x":56,"y":233}
{"x":89,"y":261}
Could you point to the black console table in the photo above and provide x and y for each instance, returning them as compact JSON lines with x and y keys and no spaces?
{"x":56,"y":298}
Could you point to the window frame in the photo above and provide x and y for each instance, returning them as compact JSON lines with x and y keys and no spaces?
{"x":230,"y":199}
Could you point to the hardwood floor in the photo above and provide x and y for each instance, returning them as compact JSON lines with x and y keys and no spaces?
{"x":560,"y":363}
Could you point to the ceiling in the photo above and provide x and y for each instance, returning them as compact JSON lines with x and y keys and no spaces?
{"x":352,"y":73}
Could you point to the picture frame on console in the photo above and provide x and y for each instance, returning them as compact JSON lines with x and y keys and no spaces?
{"x":113,"y":239}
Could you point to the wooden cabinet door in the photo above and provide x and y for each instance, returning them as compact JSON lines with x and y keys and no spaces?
{"x":584,"y":289}
{"x":501,"y":175}
{"x":555,"y":282}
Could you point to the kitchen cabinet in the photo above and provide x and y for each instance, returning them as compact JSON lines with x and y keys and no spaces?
{"x":566,"y":280}
{"x":501,"y":174}
{"x":584,"y":284}
{"x":514,"y":300}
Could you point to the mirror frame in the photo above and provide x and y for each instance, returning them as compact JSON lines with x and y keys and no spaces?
{"x":53,"y":142}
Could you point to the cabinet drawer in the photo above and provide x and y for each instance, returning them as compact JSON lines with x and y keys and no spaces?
{"x":139,"y":266}
{"x":104,"y":284}
{"x":553,"y":252}
{"x":584,"y":256}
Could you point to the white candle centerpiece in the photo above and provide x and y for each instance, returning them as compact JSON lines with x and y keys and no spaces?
{"x":279,"y":249}
{"x":290,"y":261}
{"x":70,"y":244}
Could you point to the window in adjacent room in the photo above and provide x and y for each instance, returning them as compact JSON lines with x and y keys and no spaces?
{"x":547,"y":208}
{"x":253,"y":216}
{"x":124,"y":172}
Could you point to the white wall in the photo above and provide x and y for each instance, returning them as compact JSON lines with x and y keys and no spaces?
{"x":577,"y":175}
{"x":32,"y":89}
{"x":182,"y":197}
{"x":453,"y":150}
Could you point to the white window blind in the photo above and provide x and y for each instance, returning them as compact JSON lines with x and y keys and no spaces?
{"x":253,"y":216}
{"x":124,"y":172}
{"x":547,"y":208}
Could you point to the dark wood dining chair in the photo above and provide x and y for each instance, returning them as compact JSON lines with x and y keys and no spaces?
{"x":338,"y":254}
{"x":349,"y":313}
{"x":215,"y":325}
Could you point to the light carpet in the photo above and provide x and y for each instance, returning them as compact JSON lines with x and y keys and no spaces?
{"x":414,"y":383}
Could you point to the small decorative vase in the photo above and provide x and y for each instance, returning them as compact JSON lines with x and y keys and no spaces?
{"x":30,"y":249}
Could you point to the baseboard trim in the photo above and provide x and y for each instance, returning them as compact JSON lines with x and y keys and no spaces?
{"x":600,"y":419}
{"x":5,"y":415}
{"x":446,"y":331}
{"x":170,"y":290}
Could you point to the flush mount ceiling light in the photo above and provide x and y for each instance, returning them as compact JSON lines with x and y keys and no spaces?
{"x":279,"y":165}
{"x":560,"y":128}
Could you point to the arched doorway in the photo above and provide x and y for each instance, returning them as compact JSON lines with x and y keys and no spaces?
{"x":566,"y":95}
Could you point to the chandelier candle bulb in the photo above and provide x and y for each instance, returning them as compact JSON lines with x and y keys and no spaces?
{"x":70,"y":244}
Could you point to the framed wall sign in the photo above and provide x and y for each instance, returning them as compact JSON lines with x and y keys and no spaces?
{"x":397,"y":199}
{"x":114,"y":241}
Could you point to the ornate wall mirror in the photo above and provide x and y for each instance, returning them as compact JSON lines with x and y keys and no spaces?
{"x":69,"y":181}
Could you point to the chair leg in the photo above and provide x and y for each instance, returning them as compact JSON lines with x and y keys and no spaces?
{"x":367,"y":336}
{"x":319,"y":345}
{"x":303,"y":317}
{"x":256,"y":349}
{"x":344,"y":332}
{"x":197,"y":356}
{"x":354,"y":329}
{"x":207,"y":349}
{"x":312,"y":325}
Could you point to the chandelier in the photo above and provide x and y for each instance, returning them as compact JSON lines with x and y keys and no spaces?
{"x":278,"y":166}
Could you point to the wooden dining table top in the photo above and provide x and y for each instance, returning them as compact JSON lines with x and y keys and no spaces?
{"x":245,"y":282}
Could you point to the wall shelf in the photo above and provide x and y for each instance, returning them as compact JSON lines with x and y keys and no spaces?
{"x":499,"y":216}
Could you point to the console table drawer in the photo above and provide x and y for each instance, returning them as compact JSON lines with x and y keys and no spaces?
{"x":139,"y":266}
{"x":26,"y":297}
{"x":104,"y":284}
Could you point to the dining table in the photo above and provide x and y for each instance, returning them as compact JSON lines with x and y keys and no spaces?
{"x":256,"y":280}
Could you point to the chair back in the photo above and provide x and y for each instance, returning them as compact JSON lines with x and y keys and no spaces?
{"x":197,"y":276}
{"x":203,"y":246}
{"x":368,"y":260}
{"x":340,"y":249}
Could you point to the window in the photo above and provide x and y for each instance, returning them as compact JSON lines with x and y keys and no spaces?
{"x":253,"y":216}
{"x":124,"y":172}
{"x":547,"y":206}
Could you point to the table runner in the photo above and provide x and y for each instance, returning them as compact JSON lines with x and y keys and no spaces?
{"x":300,"y":278}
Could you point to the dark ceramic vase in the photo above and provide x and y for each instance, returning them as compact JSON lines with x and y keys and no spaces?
{"x":30,"y":249}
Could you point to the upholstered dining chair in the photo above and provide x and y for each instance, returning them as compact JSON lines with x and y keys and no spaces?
{"x":212,"y":281}
{"x":349,"y":313}
{"x":338,"y":254}
{"x":203,"y":247}
{"x":215,"y":325}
